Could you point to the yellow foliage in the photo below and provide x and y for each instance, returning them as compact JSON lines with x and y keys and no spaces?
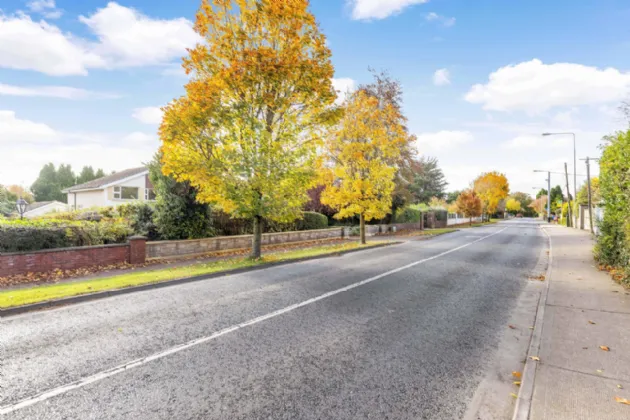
{"x":256,"y":108}
{"x":513,"y":205}
{"x":491,"y":187}
{"x":361,"y":152}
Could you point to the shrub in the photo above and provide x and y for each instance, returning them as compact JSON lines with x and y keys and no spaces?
{"x":407,"y":215}
{"x":312,"y":220}
{"x":32,"y":235}
{"x":140,"y":217}
{"x":613,"y":242}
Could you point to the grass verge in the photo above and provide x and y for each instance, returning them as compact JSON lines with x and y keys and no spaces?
{"x":19,"y":297}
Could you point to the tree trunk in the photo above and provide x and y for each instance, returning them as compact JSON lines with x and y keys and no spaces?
{"x":257,"y":237}
{"x":470,"y":221}
{"x":362,"y":228}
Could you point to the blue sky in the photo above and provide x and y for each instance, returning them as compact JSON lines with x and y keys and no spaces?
{"x":81,"y":82}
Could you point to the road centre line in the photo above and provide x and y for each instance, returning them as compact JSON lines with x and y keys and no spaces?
{"x":156,"y":356}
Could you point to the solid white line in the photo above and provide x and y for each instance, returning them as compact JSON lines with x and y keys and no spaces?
{"x":139,"y":362}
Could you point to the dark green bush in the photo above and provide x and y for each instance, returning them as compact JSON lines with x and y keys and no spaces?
{"x":140,"y":216}
{"x":407,"y":215}
{"x":312,"y":220}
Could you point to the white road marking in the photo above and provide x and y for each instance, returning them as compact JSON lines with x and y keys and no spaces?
{"x":139,"y":362}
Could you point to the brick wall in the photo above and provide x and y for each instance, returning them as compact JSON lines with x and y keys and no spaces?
{"x":163,"y":249}
{"x":72,"y":258}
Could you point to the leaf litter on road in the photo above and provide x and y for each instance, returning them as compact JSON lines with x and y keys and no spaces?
{"x":605,"y":348}
{"x":622,"y":400}
{"x":535,"y":358}
{"x":517,"y":374}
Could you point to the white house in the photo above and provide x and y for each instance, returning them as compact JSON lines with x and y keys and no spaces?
{"x":112,"y":190}
{"x":39,"y":208}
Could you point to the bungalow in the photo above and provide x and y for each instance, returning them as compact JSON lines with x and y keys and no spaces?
{"x":112,"y":190}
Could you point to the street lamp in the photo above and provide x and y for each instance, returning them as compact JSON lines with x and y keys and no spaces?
{"x":21,"y":206}
{"x":574,"y":169}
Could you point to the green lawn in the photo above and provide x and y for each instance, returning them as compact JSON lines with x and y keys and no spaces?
{"x":430,"y":232}
{"x":43,"y":293}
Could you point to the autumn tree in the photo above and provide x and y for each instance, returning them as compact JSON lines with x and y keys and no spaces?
{"x":539,"y":205}
{"x":19,"y":191}
{"x":491,"y":187}
{"x":469,"y":204}
{"x":360,"y":179}
{"x":246,"y":133}
{"x":512,"y":205}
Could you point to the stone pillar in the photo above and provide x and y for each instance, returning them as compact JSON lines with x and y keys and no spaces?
{"x":137,"y":249}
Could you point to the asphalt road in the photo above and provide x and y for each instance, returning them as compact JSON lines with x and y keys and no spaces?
{"x":414,"y":340}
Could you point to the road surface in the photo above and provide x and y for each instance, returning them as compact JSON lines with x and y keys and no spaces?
{"x":415,"y":330}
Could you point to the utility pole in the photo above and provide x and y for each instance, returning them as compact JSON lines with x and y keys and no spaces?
{"x":590,"y":196}
{"x":548,"y":197}
{"x":566,"y":174}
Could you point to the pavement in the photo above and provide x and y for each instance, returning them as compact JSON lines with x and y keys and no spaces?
{"x":413,"y":330}
{"x":584,"y":309}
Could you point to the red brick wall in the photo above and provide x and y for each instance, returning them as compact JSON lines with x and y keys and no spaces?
{"x":63,"y":258}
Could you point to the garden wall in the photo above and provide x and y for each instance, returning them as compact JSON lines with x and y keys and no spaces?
{"x":72,"y":258}
{"x":163,"y":249}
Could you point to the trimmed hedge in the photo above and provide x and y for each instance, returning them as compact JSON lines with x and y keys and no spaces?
{"x":226,"y":226}
{"x":34,"y":235}
{"x":407,"y":215}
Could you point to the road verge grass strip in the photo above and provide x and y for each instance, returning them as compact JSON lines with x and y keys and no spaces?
{"x":45,"y":293}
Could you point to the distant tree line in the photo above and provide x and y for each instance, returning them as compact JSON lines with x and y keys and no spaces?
{"x":51,"y":181}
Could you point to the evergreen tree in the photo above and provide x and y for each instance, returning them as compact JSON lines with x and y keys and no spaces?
{"x":428,"y":180}
{"x":87,"y":174}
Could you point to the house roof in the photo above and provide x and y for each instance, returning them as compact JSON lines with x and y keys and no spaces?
{"x":101,"y":183}
{"x":38,"y":204}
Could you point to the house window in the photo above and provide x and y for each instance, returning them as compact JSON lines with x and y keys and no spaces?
{"x":126,"y":193}
{"x":149,"y":194}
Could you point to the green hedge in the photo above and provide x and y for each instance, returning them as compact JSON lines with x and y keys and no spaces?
{"x":226,"y":226}
{"x":407,"y":215}
{"x":33,"y":235}
{"x":613,"y":242}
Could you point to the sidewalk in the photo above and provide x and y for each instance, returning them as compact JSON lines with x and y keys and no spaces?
{"x":585,"y":309}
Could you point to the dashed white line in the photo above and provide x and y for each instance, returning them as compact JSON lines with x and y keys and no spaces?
{"x":156,"y":356}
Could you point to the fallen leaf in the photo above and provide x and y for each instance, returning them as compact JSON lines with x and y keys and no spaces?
{"x":605,"y":348}
{"x":584,"y":348}
{"x":535,"y":358}
{"x":531,"y":328}
{"x":622,"y":400}
{"x":516,"y":374}
{"x":619,"y":386}
{"x":512,"y":327}
{"x":517,"y":383}
{"x":600,"y":371}
{"x":516,"y":396}
{"x":591,"y":322}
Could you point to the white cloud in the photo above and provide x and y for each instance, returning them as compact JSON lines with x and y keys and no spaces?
{"x":441,"y":77}
{"x":64,"y":92}
{"x":29,"y":45}
{"x":535,"y":87}
{"x":522,"y":142}
{"x":128,"y":38}
{"x":148,"y":115}
{"x":444,"y":20}
{"x":47,"y":8}
{"x":442,"y":140}
{"x":343,"y":86}
{"x":379,"y":9}
{"x":27,"y":145}
{"x":15,"y":131}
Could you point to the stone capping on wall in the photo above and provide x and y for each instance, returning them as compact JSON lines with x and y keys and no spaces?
{"x":167,"y":249}
{"x":51,"y":250}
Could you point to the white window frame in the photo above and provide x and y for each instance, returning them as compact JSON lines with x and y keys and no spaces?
{"x":117,"y":192}
{"x":146,"y":194}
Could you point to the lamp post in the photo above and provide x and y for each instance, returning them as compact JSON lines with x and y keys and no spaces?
{"x":21,"y":206}
{"x":574,"y":169}
{"x":548,"y":194}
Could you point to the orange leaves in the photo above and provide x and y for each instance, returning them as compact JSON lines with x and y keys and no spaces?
{"x":517,"y":374}
{"x":469,"y":203}
{"x":591,"y":322}
{"x":622,"y":400}
{"x":604,"y":348}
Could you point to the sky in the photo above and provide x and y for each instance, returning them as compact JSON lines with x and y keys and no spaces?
{"x":82,"y":82}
